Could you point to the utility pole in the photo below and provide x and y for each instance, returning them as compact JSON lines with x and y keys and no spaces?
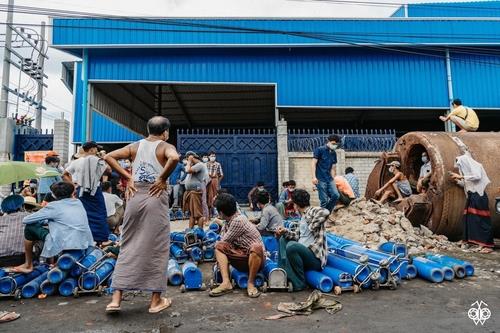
{"x":4,"y":98}
{"x":39,"y":95}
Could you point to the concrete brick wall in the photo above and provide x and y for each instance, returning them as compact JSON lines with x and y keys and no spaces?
{"x":61,"y":139}
{"x":300,"y":168}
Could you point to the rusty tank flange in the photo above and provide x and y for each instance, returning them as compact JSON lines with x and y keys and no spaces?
{"x":448,"y":200}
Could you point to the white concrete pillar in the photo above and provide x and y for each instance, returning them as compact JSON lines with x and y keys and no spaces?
{"x":341,"y":162}
{"x":282,"y":143}
{"x":7,"y":130}
{"x":61,"y":139}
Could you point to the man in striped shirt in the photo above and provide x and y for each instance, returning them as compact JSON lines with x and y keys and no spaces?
{"x":241,"y":246}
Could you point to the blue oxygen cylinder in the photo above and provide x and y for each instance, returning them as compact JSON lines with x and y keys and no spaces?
{"x":259,"y":280}
{"x":195,"y":253}
{"x":374,"y":257}
{"x":56,"y":275}
{"x":179,"y":215}
{"x":339,"y":278}
{"x":90,"y":280}
{"x":360,"y":273}
{"x":8,"y":284}
{"x":32,"y":288}
{"x":214,"y":227}
{"x":86,"y":262}
{"x":176,"y":251}
{"x":240,"y":278}
{"x":411,"y":272}
{"x":171,"y":215}
{"x":67,"y":286}
{"x":271,"y":244}
{"x":193,"y":278}
{"x":319,"y":281}
{"x":113,"y":237}
{"x":210,"y":237}
{"x":199,"y":232}
{"x":178,"y":237}
{"x":394,"y":248}
{"x":3,"y":273}
{"x":48,"y":288}
{"x":209,"y":253}
{"x":429,"y":270}
{"x":174,"y":273}
{"x":269,"y":266}
{"x":460,"y":267}
{"x":68,"y":259}
{"x":336,"y":239}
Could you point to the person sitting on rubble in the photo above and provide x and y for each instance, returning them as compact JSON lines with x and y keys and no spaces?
{"x":285,"y":203}
{"x":353,"y":180}
{"x":270,"y":219}
{"x":68,"y":226}
{"x":346,"y":194}
{"x":398,"y":187}
{"x":240,"y":246}
{"x":425,"y":171}
{"x":305,"y":248}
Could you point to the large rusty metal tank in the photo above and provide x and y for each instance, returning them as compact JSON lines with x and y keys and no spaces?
{"x":441,"y":208}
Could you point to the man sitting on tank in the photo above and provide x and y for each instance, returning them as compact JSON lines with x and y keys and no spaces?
{"x":398,"y":187}
{"x":68,"y":226}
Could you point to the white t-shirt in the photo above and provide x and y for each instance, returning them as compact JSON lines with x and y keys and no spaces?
{"x":425,"y":169}
{"x":75,"y":168}
{"x":111,"y":200}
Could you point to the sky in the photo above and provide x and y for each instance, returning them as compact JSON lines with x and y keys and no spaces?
{"x":59,"y":100}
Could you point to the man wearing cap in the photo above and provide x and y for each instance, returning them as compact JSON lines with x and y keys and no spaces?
{"x":463,"y":117}
{"x":86,"y":173}
{"x":397,"y":187}
{"x":11,"y":230}
{"x":196,"y":179}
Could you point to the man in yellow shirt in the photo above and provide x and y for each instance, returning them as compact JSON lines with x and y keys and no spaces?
{"x":463,"y":117}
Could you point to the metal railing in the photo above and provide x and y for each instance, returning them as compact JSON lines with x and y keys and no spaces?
{"x":306,"y":140}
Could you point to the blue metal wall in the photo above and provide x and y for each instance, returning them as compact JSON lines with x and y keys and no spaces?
{"x":104,"y":130}
{"x":74,"y":33}
{"x":454,"y":9}
{"x":304,"y":77}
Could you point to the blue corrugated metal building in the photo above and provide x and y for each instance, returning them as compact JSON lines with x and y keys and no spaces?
{"x":248,"y":73}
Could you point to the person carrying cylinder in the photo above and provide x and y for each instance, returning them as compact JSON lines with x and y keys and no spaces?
{"x":304,"y":249}
{"x":241,"y":246}
{"x":463,"y":117}
{"x":145,"y":239}
{"x":270,"y":219}
{"x":68,"y":228}
{"x":324,"y":165}
{"x":398,"y":187}
{"x":477,"y":219}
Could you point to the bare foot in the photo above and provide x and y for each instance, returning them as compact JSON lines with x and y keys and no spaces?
{"x":24,"y":268}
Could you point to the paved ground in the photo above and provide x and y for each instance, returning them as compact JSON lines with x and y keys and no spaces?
{"x":417,"y":306}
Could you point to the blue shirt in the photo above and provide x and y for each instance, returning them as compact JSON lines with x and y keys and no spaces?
{"x":176,"y":174}
{"x":68,"y":226}
{"x":354,"y":182}
{"x":326,"y":160}
{"x":45,"y":182}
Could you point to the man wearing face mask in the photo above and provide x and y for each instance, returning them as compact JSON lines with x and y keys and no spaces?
{"x":285,"y":203}
{"x":425,"y":171}
{"x":215,"y":173}
{"x":51,"y":163}
{"x":323,"y":169}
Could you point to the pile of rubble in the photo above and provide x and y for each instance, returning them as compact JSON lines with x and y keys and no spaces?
{"x":372,"y":224}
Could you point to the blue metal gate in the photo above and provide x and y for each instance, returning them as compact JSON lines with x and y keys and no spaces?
{"x":247,"y":156}
{"x":28,"y":139}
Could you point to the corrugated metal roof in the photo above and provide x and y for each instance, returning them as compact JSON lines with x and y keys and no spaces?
{"x":72,"y":34}
{"x":304,"y":77}
{"x":452,"y":9}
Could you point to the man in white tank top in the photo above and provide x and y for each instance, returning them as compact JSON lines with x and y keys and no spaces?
{"x":145,"y":245}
